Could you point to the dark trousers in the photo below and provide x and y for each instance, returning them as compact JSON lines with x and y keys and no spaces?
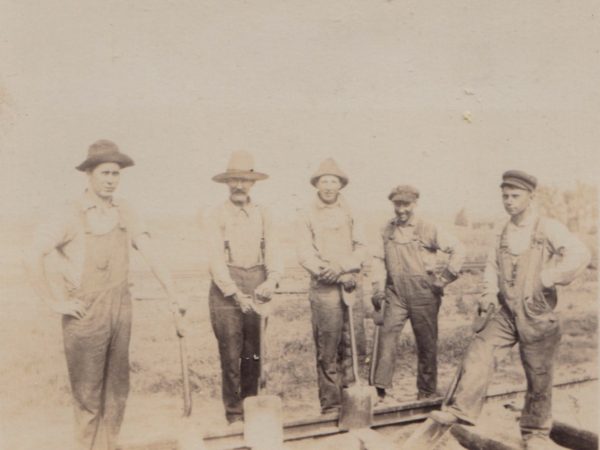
{"x":424,"y":321}
{"x":486,"y":350}
{"x":97,"y":352}
{"x":238,"y":339}
{"x":332,"y":342}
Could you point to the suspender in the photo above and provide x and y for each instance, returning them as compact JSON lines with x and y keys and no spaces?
{"x":227,"y":246}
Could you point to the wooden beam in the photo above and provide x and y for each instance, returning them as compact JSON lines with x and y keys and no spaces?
{"x":572,"y":437}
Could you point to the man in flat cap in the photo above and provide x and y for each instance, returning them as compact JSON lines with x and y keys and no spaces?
{"x":530,"y":257}
{"x":245,"y":267}
{"x":331,"y":248}
{"x":90,"y":241}
{"x":406,"y":279}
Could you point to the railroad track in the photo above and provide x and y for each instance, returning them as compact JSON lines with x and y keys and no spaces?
{"x":398,"y":415}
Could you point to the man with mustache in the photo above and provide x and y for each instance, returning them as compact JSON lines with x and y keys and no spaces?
{"x":245,"y":268}
{"x":531,"y":256}
{"x":331,"y":248}
{"x":407,"y":280}
{"x":90,"y":241}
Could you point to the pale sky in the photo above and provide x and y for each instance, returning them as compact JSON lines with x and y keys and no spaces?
{"x":381,"y":86}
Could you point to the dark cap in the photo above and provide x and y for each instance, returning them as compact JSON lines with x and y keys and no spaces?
{"x":519,"y":179}
{"x":404,"y":193}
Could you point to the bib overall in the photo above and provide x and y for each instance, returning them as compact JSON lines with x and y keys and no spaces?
{"x":409,"y":296}
{"x":97,"y":346}
{"x":526,"y":317}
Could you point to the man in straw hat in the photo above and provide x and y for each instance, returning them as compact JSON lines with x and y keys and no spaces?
{"x":407,"y":280}
{"x":331,"y":248}
{"x":91,"y":240}
{"x":245,"y":268}
{"x":530,"y":257}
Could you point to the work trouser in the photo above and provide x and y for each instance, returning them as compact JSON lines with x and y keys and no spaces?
{"x":423,"y":316}
{"x":238,"y":338}
{"x":97,"y":345}
{"x":486,"y":350}
{"x":331,"y":335}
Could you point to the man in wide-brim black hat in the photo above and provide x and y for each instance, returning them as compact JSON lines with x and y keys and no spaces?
{"x":92,"y":237}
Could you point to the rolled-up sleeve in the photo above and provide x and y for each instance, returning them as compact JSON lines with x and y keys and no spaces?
{"x":308,"y":256}
{"x":217,"y":265}
{"x":571,"y":256}
{"x":273,"y":258}
{"x":490,"y":276}
{"x":378,"y":271}
{"x":450,"y":244}
{"x":135,"y":224}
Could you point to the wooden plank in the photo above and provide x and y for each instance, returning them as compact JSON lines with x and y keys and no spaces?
{"x":470,"y":439}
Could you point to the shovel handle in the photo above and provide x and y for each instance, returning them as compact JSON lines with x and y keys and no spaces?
{"x":352,"y":337}
{"x":187,"y":395}
{"x":374,"y":351}
{"x":483,"y":323}
{"x":262,"y":377}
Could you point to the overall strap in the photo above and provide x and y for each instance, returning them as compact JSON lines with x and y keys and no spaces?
{"x":534,"y":259}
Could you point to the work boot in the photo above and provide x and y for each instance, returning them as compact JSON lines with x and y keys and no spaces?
{"x":428,"y":395}
{"x":236,"y":426}
{"x":443,"y":417}
{"x":330,"y":409}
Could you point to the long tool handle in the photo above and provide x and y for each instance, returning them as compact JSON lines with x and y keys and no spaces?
{"x":481,"y":324}
{"x":187,"y":395}
{"x":375,"y":351}
{"x":262,"y":377}
{"x":352,"y":336}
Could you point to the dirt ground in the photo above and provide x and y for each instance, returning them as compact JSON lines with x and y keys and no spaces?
{"x":36,"y":412}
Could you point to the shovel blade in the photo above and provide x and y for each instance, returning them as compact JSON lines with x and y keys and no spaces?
{"x":263,"y":424}
{"x":357,"y":408}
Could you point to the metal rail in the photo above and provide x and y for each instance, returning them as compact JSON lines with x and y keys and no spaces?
{"x":326,"y":425}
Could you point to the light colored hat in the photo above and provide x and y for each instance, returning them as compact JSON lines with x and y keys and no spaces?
{"x":329,"y":167}
{"x":104,"y":151}
{"x":241,"y":165}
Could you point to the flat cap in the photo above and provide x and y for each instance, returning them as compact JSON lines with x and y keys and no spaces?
{"x":519,"y":180}
{"x":404,"y":193}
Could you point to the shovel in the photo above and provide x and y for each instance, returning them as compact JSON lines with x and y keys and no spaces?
{"x":263,"y":425}
{"x":431,"y":432}
{"x":357,"y":408}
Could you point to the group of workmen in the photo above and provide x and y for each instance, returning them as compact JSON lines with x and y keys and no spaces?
{"x":91,"y":240}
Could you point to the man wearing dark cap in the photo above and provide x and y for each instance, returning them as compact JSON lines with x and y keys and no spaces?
{"x":245,"y":267}
{"x":331,"y":248}
{"x":531,"y":256}
{"x":406,"y":279}
{"x":90,"y":241}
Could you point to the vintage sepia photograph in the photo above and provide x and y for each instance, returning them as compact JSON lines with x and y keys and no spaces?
{"x":290,"y":225}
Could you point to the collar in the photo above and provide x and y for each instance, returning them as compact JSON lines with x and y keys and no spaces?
{"x":89,"y":201}
{"x":411,"y":222}
{"x":233,"y":208}
{"x":320,"y":204}
{"x":529,"y":220}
